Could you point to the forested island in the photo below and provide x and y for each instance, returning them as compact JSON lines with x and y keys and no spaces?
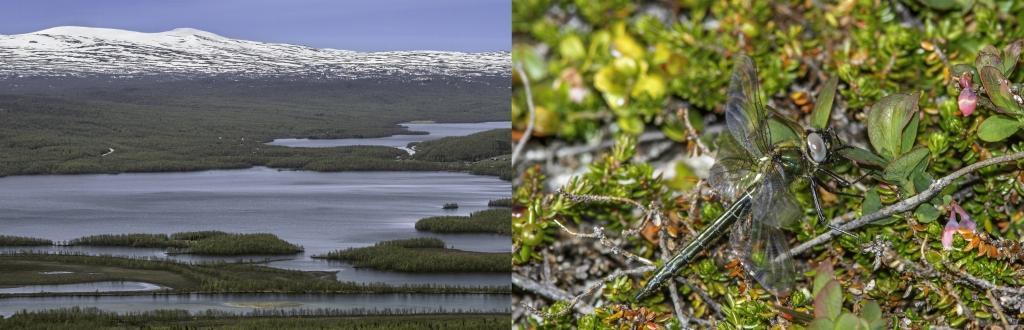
{"x":421,"y":255}
{"x":497,"y":221}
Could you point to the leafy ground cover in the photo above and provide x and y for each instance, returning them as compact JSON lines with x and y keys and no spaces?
{"x":626,"y":102}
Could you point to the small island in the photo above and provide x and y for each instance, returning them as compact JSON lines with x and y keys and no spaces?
{"x":496,"y":221}
{"x":197,"y":242}
{"x":450,"y":206}
{"x":421,"y":255}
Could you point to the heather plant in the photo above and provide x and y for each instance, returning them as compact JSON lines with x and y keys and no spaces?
{"x":618,"y":106}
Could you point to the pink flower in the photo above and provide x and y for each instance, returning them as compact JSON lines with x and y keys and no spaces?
{"x":967,"y":100}
{"x":952,"y":226}
{"x":947,"y":232}
{"x":965,"y":219}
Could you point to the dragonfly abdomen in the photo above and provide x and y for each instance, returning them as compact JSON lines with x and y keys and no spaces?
{"x":706,"y":237}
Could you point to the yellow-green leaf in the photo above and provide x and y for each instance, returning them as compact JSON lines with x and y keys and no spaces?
{"x":997,"y":128}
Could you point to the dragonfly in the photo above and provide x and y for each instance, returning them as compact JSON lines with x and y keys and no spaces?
{"x":754,"y":169}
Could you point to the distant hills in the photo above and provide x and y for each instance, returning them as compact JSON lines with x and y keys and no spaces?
{"x":71,"y":51}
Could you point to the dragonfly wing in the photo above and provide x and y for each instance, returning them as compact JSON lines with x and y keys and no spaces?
{"x":733,"y":169}
{"x":744,"y":110}
{"x":758,"y":238}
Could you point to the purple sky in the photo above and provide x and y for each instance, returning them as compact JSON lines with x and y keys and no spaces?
{"x":364,"y":25}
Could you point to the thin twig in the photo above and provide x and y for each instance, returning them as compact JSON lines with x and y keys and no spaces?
{"x":902,"y":206}
{"x":547,"y":291}
{"x":691,"y":133}
{"x":677,"y":304}
{"x":587,"y":290}
{"x":598,"y":234}
{"x":533,"y":114}
{"x":998,"y":308}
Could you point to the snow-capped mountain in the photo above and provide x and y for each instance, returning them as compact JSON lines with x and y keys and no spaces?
{"x":84,"y":51}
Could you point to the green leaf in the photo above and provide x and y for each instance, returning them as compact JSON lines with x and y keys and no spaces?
{"x":921,"y":179}
{"x":997,"y":128}
{"x":829,"y":302}
{"x":862,"y":156}
{"x":821,"y":277}
{"x":940,"y":4}
{"x":631,"y":124}
{"x":821,"y":324}
{"x":1011,"y":54}
{"x":849,"y":321}
{"x":872,"y":202}
{"x":781,"y":131}
{"x":900,"y":168}
{"x":998,"y":90}
{"x":910,"y":133}
{"x":960,"y":69}
{"x":571,"y":48}
{"x":926,"y":213}
{"x":822,"y":110}
{"x":988,"y":56}
{"x":870,"y":311}
{"x":886,"y":120}
{"x":532,"y":63}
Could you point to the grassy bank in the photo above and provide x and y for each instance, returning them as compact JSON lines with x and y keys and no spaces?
{"x":421,"y":255}
{"x":91,"y":318}
{"x":7,"y":240}
{"x":32,"y":269}
{"x":204,"y":242}
{"x":498,"y":221}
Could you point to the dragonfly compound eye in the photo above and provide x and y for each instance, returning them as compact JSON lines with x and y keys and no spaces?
{"x":816,"y":148}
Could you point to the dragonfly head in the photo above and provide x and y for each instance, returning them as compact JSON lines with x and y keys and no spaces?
{"x":817,"y":149}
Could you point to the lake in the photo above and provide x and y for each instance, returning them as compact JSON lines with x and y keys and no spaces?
{"x":245,"y":303}
{"x":435,"y":130}
{"x":320,"y":211}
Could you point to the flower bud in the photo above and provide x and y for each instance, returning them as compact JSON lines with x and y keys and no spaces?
{"x":967,"y":100}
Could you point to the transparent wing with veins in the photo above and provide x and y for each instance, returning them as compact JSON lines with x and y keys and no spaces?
{"x":745,"y":114}
{"x":758,"y":238}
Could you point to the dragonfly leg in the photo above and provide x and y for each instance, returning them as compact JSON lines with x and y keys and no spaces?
{"x":843,"y":181}
{"x":837,"y":192}
{"x":817,"y":207}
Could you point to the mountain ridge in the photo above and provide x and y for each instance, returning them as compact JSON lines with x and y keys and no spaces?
{"x":187,"y":52}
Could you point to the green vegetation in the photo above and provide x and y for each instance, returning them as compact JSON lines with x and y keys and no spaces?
{"x":470,"y":148}
{"x":504,"y":202}
{"x":129,"y":240}
{"x":28,"y":268}
{"x":421,"y":255}
{"x":201,"y":242}
{"x":66,"y":125}
{"x":929,"y":87}
{"x":450,"y":206}
{"x":498,"y":221}
{"x":91,"y":318}
{"x":8,"y":240}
